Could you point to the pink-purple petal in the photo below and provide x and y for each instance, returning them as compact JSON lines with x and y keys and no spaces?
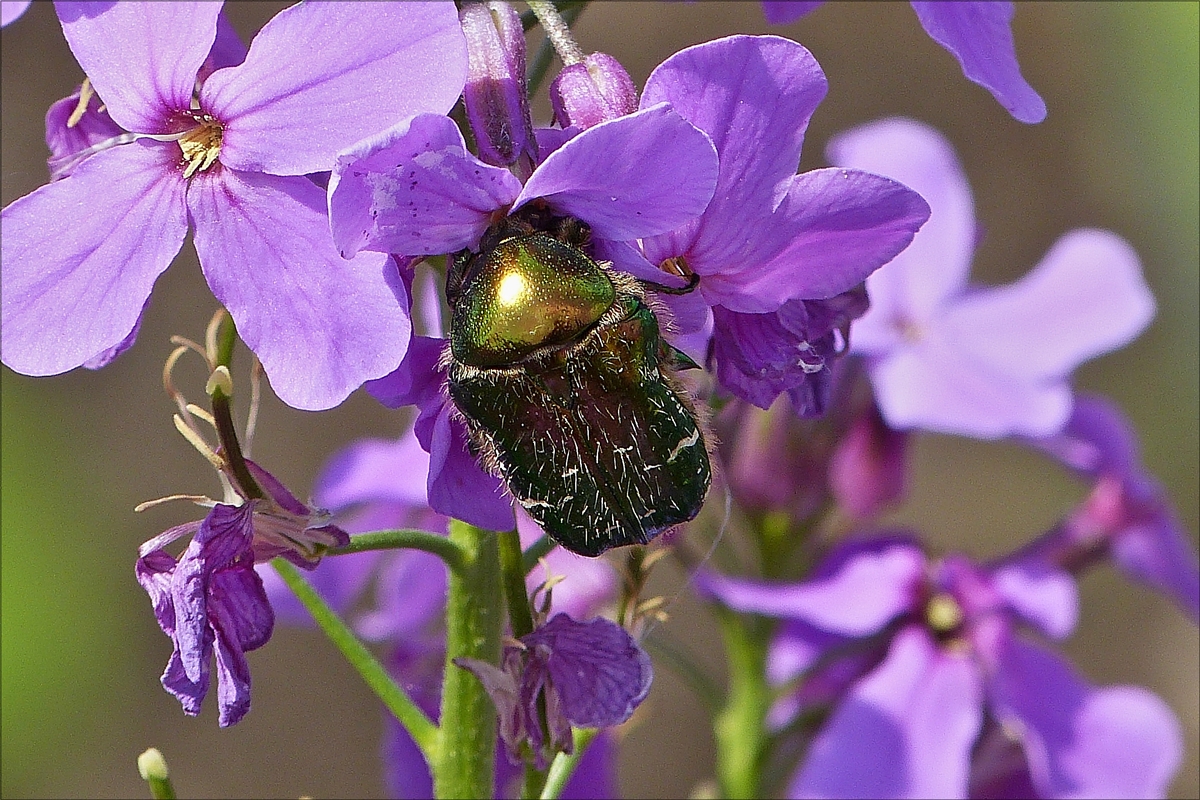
{"x":834,"y":228}
{"x":142,"y":58}
{"x":979,"y":35}
{"x":321,"y":76}
{"x":68,"y":143}
{"x":458,"y":486}
{"x":936,"y":264}
{"x":753,"y":96}
{"x":933,"y":385}
{"x":906,"y":730}
{"x":781,"y":12}
{"x":10,"y":10}
{"x":1081,"y":741}
{"x":860,"y":598}
{"x":81,"y":255}
{"x":1044,"y":596}
{"x":1086,"y":297}
{"x":375,"y":470}
{"x":638,"y":175}
{"x":321,"y":325}
{"x":415,"y":190}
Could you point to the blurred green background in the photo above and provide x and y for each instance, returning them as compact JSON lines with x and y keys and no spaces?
{"x":82,"y":653}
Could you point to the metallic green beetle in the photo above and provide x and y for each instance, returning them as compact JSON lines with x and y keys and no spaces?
{"x":569,"y":392}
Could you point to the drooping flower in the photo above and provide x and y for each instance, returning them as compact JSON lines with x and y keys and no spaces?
{"x":986,"y":362}
{"x":777,"y":255}
{"x":977,"y":34}
{"x":1127,"y":518}
{"x":231,"y":166}
{"x":211,"y":598}
{"x":588,"y":674}
{"x":212,"y":595}
{"x":934,"y":664}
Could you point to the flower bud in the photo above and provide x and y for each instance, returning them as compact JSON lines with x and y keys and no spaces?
{"x":592,"y":91}
{"x":867,"y":471}
{"x":495,"y":98}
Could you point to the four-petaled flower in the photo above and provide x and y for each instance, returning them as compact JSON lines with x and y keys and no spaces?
{"x":933,"y":691}
{"x":227,"y":161}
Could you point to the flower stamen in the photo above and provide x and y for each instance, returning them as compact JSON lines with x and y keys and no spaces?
{"x":201,"y":145}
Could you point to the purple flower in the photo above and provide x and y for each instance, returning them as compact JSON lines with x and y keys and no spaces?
{"x":589,"y":674}
{"x":213,"y":592}
{"x":979,"y":35}
{"x":592,"y":91}
{"x":985,"y":362}
{"x":210,"y":596}
{"x":933,"y":663}
{"x":415,"y":190}
{"x":776,"y":254}
{"x":11,"y":9}
{"x":1127,"y":517}
{"x":318,"y":77}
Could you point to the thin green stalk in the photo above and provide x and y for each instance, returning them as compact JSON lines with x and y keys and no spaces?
{"x":739,"y":728}
{"x":512,"y":568}
{"x":557,"y":30}
{"x":541,"y":62}
{"x":419,"y":726}
{"x":564,"y":765}
{"x":464,"y":765}
{"x":440,"y":546}
{"x":536,"y":552}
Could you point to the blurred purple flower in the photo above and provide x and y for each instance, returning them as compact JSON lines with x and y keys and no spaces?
{"x":1128,"y":516}
{"x":777,"y":254}
{"x":986,"y":362}
{"x":934,"y":660}
{"x":11,"y":9}
{"x":590,"y":675}
{"x":978,"y":34}
{"x":318,"y":77}
{"x":210,"y":596}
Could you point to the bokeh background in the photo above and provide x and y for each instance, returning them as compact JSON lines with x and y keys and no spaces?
{"x":82,"y":653}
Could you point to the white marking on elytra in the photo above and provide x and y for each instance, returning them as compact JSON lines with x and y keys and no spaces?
{"x":685,"y":443}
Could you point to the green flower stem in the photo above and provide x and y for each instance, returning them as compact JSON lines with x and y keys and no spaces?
{"x":740,"y":726}
{"x":440,"y":546}
{"x":564,"y":765}
{"x":153,"y":769}
{"x":222,"y":411}
{"x":557,"y":30}
{"x":541,"y":61}
{"x":520,"y":618}
{"x":419,"y":726}
{"x":512,"y":567}
{"x":464,"y":764}
{"x":536,"y":552}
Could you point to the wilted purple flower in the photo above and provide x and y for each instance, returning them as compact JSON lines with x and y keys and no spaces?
{"x":589,"y":674}
{"x":777,"y":254}
{"x":231,"y":166}
{"x":978,"y":34}
{"x":933,"y":662}
{"x":987,"y":362}
{"x":11,"y":9}
{"x":211,"y":596}
{"x":1127,"y":517}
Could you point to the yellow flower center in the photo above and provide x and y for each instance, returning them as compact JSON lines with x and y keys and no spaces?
{"x":201,"y":145}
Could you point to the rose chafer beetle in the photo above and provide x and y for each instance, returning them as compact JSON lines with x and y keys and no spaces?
{"x":569,"y":391}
